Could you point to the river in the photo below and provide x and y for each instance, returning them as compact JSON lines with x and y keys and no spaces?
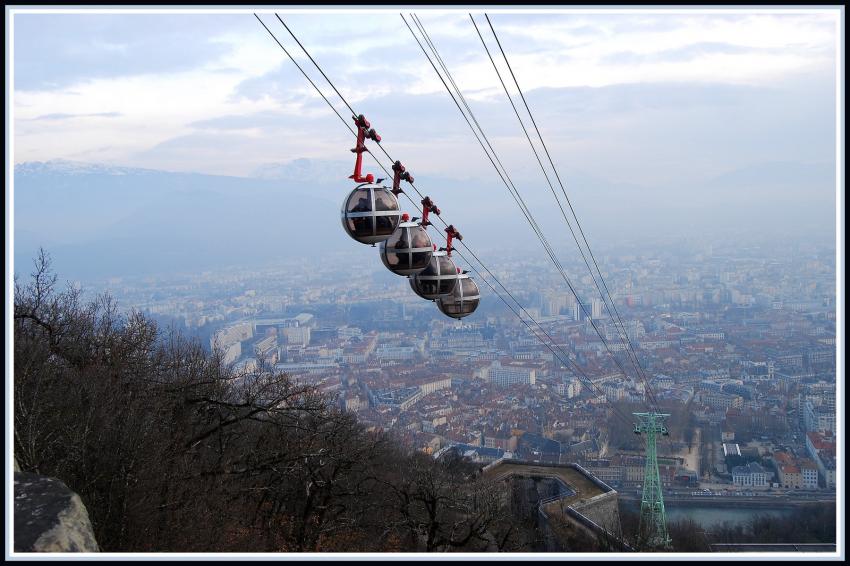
{"x":709,"y":517}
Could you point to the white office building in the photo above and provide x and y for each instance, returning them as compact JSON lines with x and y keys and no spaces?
{"x":500,"y":375}
{"x":752,"y":475}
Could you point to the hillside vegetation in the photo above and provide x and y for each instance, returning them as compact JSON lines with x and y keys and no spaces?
{"x":171,"y":450}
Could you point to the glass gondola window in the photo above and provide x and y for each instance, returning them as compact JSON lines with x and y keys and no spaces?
{"x":438,"y":278}
{"x":370,"y":213}
{"x":384,"y":225}
{"x":361,"y":202}
{"x":408,"y":250}
{"x":448,"y":274}
{"x":421,"y":241}
{"x":398,"y":242}
{"x":462,"y":301}
{"x":383,"y":201}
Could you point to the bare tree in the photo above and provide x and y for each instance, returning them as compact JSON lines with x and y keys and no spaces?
{"x":173,"y":450}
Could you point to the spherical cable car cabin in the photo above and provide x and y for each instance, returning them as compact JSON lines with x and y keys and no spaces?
{"x":463,"y":300}
{"x":408,"y":250}
{"x":438,"y":278}
{"x":370,"y":213}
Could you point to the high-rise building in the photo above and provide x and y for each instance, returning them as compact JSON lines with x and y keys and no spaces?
{"x":553,"y":303}
{"x":596,"y":308}
{"x":582,"y":310}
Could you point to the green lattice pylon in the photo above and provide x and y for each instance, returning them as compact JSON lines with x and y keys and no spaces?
{"x":653,"y":518}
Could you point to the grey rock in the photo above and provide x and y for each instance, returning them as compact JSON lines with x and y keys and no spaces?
{"x":49,"y":517}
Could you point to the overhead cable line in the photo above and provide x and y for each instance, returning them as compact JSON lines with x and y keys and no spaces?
{"x":509,"y":183}
{"x":621,"y":330}
{"x":513,"y":190}
{"x":569,"y":360}
{"x":318,"y":67}
{"x":567,"y":198}
{"x":552,"y":189}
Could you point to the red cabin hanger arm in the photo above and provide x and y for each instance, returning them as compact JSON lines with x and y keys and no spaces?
{"x":428,"y":206}
{"x":452,"y":233}
{"x":364,"y":132}
{"x":400,"y":174}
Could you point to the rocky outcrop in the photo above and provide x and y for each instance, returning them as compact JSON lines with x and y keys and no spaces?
{"x":49,"y":517}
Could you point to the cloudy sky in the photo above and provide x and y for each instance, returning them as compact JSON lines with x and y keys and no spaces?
{"x":688,"y":125}
{"x":646,"y":97}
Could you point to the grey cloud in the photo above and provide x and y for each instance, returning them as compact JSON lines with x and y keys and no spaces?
{"x":272,"y":84}
{"x":56,"y":50}
{"x":63,"y":116}
{"x":617,"y":100}
{"x":267,"y":121}
{"x":584,"y":25}
{"x":694,"y":50}
{"x":680,"y":54}
{"x":697,"y":118}
{"x":585,"y":31}
{"x":373,"y":66}
{"x":640,"y":23}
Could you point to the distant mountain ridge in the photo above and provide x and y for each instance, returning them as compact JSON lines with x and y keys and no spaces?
{"x":780,"y":174}
{"x":98,"y":219}
{"x":104,"y":220}
{"x":66,"y":167}
{"x":303,"y":169}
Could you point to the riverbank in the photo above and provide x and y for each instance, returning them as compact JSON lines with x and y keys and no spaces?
{"x":708,"y":513}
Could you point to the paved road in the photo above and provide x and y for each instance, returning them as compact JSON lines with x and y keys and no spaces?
{"x":742,"y":499}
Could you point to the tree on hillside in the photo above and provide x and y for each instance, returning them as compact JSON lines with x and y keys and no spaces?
{"x":172,"y":450}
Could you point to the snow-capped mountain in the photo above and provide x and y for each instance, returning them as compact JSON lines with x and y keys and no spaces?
{"x":66,"y":167}
{"x":318,"y":170}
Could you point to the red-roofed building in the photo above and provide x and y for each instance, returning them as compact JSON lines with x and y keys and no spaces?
{"x":783,"y":458}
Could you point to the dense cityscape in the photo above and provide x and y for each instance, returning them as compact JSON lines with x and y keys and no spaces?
{"x":738,"y":343}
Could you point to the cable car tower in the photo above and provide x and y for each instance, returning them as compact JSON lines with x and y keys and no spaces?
{"x":653,"y":518}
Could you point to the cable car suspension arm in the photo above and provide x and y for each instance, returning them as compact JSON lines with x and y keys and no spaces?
{"x":401,"y":174}
{"x":364,"y":132}
{"x":452,"y":233}
{"x":428,"y":206}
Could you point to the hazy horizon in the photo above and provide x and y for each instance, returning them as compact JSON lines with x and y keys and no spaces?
{"x":680,"y":125}
{"x":147,"y":222}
